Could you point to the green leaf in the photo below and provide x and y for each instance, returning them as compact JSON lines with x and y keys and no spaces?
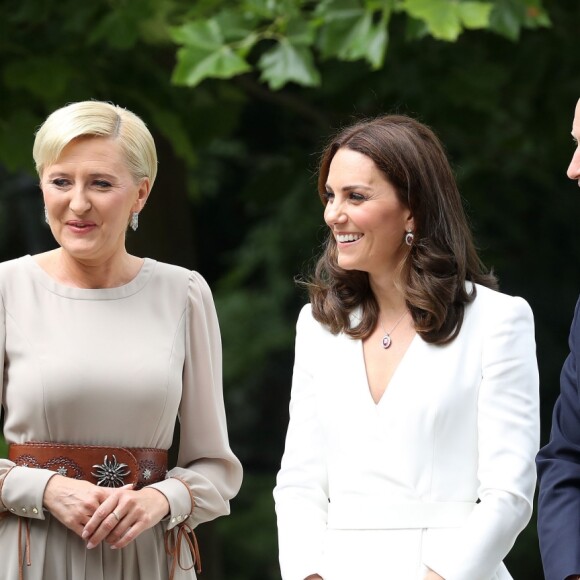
{"x":288,"y":63}
{"x":195,"y":65}
{"x":333,"y":10}
{"x":203,"y":34}
{"x":235,"y":26}
{"x":415,"y":29}
{"x":270,"y":9}
{"x":331,"y":41}
{"x":506,"y":18}
{"x":440,"y":16}
{"x":243,"y":47}
{"x":355,"y":39}
{"x":474,"y":14}
{"x":355,"y":42}
{"x":535,"y":15}
{"x":377,"y":45}
{"x":300,"y":33}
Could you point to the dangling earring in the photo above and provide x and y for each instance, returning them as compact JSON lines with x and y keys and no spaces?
{"x":409,"y":237}
{"x":46,"y":215}
{"x":134,"y":223}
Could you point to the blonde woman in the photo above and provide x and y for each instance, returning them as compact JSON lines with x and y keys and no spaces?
{"x":101,"y":352}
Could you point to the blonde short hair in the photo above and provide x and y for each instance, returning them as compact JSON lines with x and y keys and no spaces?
{"x":97,"y":119}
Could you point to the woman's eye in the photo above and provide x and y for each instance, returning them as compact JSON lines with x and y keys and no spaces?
{"x":60,"y":182}
{"x":328,"y":196}
{"x":102,"y":184}
{"x":357,"y":196}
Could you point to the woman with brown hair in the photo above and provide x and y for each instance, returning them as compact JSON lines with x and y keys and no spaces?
{"x":414,"y":409}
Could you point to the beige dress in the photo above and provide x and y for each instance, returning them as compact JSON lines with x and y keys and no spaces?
{"x":110,"y":367}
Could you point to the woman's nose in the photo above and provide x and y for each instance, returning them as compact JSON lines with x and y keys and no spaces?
{"x":334,"y":213}
{"x":79,"y":202}
{"x":574,"y":167}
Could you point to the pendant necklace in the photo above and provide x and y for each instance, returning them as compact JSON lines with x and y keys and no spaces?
{"x":386,"y":341}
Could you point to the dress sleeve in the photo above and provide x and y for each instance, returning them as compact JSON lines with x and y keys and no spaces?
{"x":301,"y":492}
{"x":508,"y":440}
{"x":208,"y":474}
{"x":559,"y":472}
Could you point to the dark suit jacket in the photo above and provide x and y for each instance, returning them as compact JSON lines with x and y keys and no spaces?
{"x":559,"y":473}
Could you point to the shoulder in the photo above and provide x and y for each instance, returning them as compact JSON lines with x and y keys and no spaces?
{"x":11,"y":266}
{"x":172,"y":274}
{"x":493,"y":314}
{"x":306,"y":320}
{"x":312,"y":332}
{"x":305,"y":315}
{"x":180,"y":284}
{"x":492,"y":304}
{"x":503,"y":323}
{"x":576,"y":319}
{"x":14,"y":272}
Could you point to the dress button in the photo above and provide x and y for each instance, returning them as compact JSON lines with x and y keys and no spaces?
{"x":23,"y":510}
{"x":34,"y":510}
{"x":172,"y":520}
{"x":12,"y":510}
{"x":179,"y":518}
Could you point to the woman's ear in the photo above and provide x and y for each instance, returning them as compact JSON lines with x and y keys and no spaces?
{"x":144,"y":190}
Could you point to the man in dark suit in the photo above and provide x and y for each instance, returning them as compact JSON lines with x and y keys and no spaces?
{"x":559,"y":461}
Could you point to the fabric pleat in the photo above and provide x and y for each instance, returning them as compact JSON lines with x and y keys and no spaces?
{"x":57,"y":553}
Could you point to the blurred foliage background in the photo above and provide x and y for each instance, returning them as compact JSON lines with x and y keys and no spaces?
{"x":240,"y":97}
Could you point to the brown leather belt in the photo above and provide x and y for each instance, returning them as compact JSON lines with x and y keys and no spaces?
{"x":105,"y":466}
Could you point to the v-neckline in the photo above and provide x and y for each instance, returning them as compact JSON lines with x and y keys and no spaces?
{"x":396,"y":372}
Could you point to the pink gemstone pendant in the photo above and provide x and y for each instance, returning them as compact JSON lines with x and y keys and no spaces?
{"x":386,"y":341}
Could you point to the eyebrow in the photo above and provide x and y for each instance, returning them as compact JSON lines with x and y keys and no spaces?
{"x":96,"y":175}
{"x":351,"y":187}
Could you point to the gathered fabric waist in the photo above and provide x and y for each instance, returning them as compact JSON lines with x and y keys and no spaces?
{"x":104,"y":466}
{"x":368,"y":513}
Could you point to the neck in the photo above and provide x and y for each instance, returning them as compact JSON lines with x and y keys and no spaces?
{"x":389,"y":297}
{"x":69,"y":271}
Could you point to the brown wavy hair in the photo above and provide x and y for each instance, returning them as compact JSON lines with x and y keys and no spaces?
{"x":442,"y":257}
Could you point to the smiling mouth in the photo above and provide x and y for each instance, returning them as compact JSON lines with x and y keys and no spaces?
{"x":348,"y":238}
{"x":81,"y":225}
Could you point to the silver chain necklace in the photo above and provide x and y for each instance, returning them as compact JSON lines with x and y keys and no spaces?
{"x":386,"y":341}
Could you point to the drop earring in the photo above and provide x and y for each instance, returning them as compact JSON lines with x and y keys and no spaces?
{"x":409,"y":237}
{"x":134,"y":223}
{"x":46,"y":215}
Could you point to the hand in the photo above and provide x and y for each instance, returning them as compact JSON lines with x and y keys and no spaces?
{"x":433,"y":576}
{"x":73,"y":502}
{"x":124,"y":515}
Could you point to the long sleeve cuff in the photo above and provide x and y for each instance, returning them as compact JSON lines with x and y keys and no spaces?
{"x":179,"y":497}
{"x":23,"y":491}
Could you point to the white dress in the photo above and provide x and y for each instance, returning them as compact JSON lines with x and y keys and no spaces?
{"x":440,"y":473}
{"x":110,"y":367}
